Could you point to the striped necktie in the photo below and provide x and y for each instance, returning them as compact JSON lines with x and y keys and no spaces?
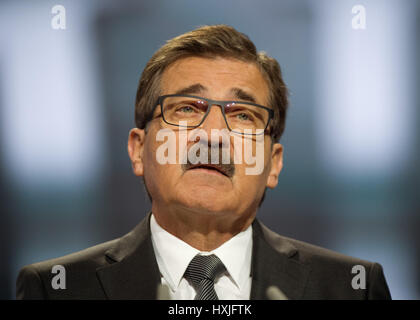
{"x":201,"y":273}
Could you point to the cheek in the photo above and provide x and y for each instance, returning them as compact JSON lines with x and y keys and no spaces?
{"x":248,"y":189}
{"x":251,"y":186}
{"x":255,"y":157}
{"x":152,"y":169}
{"x":158,"y":175}
{"x":246,"y":182}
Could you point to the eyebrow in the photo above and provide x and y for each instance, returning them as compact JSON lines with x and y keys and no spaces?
{"x":243,"y":95}
{"x":198,"y":88}
{"x":193,"y":89}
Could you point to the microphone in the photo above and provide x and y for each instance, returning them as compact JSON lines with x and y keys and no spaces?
{"x":274,"y":293}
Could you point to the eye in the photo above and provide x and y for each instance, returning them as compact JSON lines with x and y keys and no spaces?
{"x":243,"y":117}
{"x":240,"y":114}
{"x":185,"y":109}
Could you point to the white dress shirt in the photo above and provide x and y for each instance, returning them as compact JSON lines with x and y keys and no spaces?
{"x":174,"y":255}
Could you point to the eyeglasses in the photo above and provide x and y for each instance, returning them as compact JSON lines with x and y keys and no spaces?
{"x":241,"y":117}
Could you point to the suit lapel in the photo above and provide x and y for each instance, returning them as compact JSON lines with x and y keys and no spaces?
{"x":275,"y":262}
{"x":133,"y":272}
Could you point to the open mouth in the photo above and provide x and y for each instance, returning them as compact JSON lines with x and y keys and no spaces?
{"x":210,"y":168}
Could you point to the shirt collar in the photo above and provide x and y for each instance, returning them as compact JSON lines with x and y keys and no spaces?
{"x":174,"y":255}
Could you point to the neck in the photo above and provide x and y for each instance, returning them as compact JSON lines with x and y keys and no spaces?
{"x":203,"y":231}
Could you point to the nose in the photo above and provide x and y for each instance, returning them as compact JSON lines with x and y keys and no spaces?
{"x":215,"y":120}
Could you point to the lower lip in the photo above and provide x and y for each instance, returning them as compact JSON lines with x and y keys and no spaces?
{"x":208,"y":171}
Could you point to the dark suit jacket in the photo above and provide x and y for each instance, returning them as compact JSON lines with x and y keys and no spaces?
{"x":126,"y":268}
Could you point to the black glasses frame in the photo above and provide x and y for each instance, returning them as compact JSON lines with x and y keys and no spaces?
{"x":220,"y":103}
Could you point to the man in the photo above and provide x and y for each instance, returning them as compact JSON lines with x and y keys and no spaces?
{"x":202,"y":239}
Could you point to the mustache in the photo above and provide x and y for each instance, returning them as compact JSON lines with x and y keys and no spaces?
{"x":227,"y":169}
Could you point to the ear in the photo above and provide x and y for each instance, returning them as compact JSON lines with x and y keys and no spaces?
{"x":136,"y":140}
{"x":276,"y":165}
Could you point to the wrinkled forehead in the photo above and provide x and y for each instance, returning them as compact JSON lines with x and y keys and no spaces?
{"x":216,"y":78}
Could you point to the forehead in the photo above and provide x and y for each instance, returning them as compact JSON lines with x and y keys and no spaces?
{"x":217,"y":75}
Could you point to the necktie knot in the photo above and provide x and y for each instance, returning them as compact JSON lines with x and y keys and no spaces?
{"x":201,"y":272}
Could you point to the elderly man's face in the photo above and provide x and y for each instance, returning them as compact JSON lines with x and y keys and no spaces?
{"x":202,"y":190}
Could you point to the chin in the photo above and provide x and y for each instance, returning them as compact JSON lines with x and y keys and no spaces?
{"x":206,"y":203}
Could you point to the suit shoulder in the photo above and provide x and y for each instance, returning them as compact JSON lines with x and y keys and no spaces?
{"x":91,"y":257}
{"x":314,"y":252}
{"x":332,"y":274}
{"x":78,"y":269}
{"x":330,"y":267}
{"x":309,"y":253}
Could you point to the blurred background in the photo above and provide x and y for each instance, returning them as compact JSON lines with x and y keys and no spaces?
{"x":351,"y":173}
